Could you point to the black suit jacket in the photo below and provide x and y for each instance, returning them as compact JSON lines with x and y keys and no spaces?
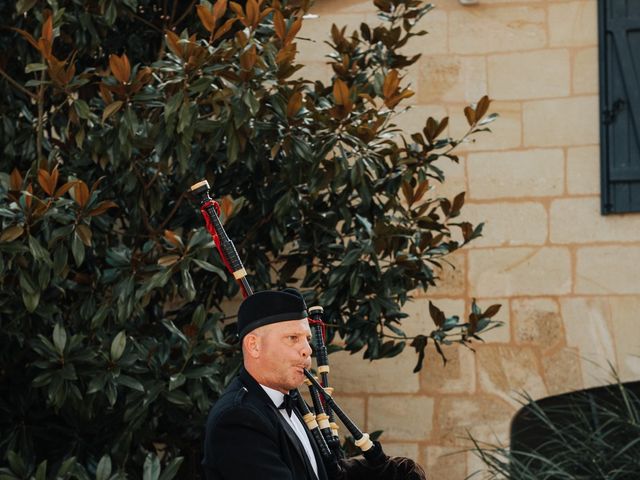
{"x":247,"y":438}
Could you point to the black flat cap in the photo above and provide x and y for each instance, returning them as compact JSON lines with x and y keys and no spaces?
{"x":266,"y":307}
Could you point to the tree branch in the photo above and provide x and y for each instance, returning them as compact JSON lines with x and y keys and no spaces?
{"x":173,"y":211}
{"x":184,"y":13}
{"x":146,"y":22}
{"x":16,"y":85}
{"x":40,"y":124}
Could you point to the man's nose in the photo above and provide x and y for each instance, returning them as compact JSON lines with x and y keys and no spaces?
{"x":306,"y":350}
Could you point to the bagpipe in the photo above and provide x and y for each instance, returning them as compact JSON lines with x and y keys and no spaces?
{"x":321,"y":422}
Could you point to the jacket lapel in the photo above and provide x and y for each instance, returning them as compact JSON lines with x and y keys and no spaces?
{"x":295,"y":441}
{"x":255,"y":388}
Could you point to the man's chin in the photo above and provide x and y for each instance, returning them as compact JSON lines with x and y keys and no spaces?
{"x":297,"y":381}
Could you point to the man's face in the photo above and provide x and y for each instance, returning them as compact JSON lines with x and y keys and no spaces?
{"x":282,"y":351}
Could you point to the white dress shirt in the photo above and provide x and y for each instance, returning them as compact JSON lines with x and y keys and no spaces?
{"x":294,"y":422}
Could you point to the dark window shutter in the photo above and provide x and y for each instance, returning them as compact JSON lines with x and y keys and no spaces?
{"x":619,"y":25}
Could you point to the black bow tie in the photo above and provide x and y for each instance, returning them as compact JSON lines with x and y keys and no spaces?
{"x":288,"y":402}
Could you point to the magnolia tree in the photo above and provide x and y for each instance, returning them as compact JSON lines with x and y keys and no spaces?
{"x":114,"y":340}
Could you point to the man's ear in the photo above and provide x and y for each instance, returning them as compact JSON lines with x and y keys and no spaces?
{"x":251,"y":345}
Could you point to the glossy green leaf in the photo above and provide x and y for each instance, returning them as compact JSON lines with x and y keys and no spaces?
{"x":60,"y":258}
{"x":97,"y":383}
{"x":103,"y":471}
{"x":23,"y":6}
{"x":169,"y":325}
{"x":16,"y":463}
{"x":82,"y":109}
{"x":210,"y":268}
{"x":188,"y":285}
{"x":171,"y":470}
{"x":176,"y":381}
{"x":199,"y":315}
{"x":178,"y":397}
{"x":66,"y":466}
{"x":77,"y":249}
{"x":118,"y":345}
{"x":59,"y":338}
{"x":30,"y":300}
{"x":130,"y":382}
{"x":151,"y":470}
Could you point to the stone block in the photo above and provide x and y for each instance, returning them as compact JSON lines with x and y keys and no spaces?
{"x":527,"y":75}
{"x":446,"y":78}
{"x":516,"y":174}
{"x":410,"y":79}
{"x":455,"y":179}
{"x":475,"y":463}
{"x":508,"y":223}
{"x":310,"y":44}
{"x":626,"y":335}
{"x":608,"y":269}
{"x":537,"y":322}
{"x":508,"y":372}
{"x":499,"y":29}
{"x":352,"y":374}
{"x":573,"y":23}
{"x":415,"y":117}
{"x":401,"y":417}
{"x":435,"y":41}
{"x":506,"y":130}
{"x":562,"y":371}
{"x":353,"y":406}
{"x":316,"y":31}
{"x":444,"y":462}
{"x":316,"y":71}
{"x":457,"y":376}
{"x":337,"y":8}
{"x":585,"y":71}
{"x":583,"y":170}
{"x":519,"y":271}
{"x":451,"y":279}
{"x":400,"y":449}
{"x":561,"y":122}
{"x":485,"y":417}
{"x":492,"y":2}
{"x":588,"y":325}
{"x":578,"y":220}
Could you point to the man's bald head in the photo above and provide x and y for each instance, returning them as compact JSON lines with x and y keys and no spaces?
{"x":276,"y":354}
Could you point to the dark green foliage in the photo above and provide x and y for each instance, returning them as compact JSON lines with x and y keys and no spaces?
{"x":586,"y":437}
{"x":114,"y":341}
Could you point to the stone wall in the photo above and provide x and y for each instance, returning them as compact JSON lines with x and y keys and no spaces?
{"x":567,"y":277}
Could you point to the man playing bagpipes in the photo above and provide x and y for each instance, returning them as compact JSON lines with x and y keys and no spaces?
{"x":247,"y":435}
{"x":256,"y":429}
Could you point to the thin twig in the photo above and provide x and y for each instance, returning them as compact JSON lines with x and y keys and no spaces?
{"x":145,"y":215}
{"x":184,"y":14}
{"x":152,"y":181}
{"x":173,"y":211}
{"x":174,"y":9}
{"x":40,"y":124}
{"x":17,"y":85}
{"x":146,"y":22}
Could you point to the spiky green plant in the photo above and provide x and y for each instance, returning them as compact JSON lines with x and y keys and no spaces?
{"x":592,"y":434}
